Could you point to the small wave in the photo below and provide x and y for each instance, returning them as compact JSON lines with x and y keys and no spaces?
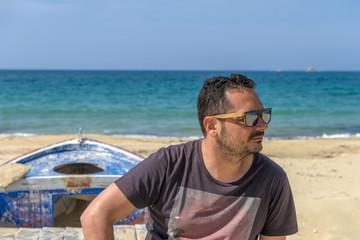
{"x":340,"y":135}
{"x":153,"y":136}
{"x":17,"y":134}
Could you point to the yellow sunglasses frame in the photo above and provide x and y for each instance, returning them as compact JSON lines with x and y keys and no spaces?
{"x":242,"y":114}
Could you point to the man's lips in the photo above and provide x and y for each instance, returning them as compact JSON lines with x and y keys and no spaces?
{"x":258,"y":138}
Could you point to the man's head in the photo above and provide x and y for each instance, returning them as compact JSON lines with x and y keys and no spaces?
{"x":212,"y":99}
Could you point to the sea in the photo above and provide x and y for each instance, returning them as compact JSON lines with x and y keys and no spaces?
{"x":163,"y":103}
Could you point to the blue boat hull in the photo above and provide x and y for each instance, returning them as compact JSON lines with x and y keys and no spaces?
{"x":65,"y":176}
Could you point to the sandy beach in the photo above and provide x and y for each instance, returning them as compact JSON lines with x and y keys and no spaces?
{"x":323,"y":174}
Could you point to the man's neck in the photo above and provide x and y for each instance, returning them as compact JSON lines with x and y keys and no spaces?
{"x":221,"y":167}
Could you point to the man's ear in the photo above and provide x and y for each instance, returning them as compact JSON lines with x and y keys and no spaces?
{"x":211,"y":125}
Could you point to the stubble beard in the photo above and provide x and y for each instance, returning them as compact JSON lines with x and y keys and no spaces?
{"x":235,"y":152}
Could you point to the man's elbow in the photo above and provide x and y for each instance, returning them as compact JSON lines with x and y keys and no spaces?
{"x":92,"y":217}
{"x":87,"y":218}
{"x":95,"y":224}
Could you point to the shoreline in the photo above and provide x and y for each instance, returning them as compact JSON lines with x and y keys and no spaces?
{"x":323,"y":136}
{"x":14,"y":146}
{"x":323,"y":173}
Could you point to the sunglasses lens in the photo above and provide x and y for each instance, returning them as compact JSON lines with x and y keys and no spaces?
{"x":251,"y":119}
{"x":266,"y":116}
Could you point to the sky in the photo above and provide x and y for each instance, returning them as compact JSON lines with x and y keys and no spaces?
{"x":180,"y":35}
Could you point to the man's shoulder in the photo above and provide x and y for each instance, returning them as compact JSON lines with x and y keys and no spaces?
{"x":185,"y":146}
{"x":270,"y":166}
{"x":175,"y":152}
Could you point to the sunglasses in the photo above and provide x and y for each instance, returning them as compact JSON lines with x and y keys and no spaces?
{"x":251,"y":118}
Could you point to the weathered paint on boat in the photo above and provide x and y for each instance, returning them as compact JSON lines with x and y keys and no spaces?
{"x":74,"y":169}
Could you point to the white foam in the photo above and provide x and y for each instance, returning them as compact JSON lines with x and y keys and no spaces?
{"x":17,"y":134}
{"x":153,"y":136}
{"x":324,"y":135}
{"x":340,"y":135}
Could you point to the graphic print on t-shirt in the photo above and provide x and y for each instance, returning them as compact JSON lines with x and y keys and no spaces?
{"x":201,"y":215}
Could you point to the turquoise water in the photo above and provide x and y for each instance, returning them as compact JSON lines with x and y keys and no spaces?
{"x":163,"y":103}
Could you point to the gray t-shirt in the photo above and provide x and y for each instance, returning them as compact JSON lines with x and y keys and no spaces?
{"x":186,"y":202}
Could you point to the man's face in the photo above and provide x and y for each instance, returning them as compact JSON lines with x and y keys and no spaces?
{"x":236,"y":140}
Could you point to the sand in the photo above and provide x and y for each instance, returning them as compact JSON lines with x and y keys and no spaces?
{"x":323,"y":174}
{"x":12,"y":172}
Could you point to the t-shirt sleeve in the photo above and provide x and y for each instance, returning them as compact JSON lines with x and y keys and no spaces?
{"x":143,"y":183}
{"x":281,"y":218}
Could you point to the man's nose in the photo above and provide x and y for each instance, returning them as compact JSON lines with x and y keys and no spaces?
{"x":261,"y":124}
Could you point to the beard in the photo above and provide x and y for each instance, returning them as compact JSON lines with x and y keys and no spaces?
{"x":235,"y":151}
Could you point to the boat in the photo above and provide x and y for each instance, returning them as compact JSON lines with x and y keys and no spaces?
{"x":63,"y":179}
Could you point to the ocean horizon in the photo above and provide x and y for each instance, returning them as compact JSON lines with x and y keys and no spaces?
{"x":147,"y":103}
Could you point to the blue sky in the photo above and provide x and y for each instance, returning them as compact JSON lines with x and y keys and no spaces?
{"x":180,"y":35}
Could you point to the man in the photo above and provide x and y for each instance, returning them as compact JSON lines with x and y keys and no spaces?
{"x":218,"y":187}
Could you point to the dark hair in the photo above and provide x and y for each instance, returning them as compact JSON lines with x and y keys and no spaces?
{"x":212,"y":99}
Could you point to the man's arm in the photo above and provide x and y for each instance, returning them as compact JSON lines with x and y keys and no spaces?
{"x":262,"y":237}
{"x":104,"y":211}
